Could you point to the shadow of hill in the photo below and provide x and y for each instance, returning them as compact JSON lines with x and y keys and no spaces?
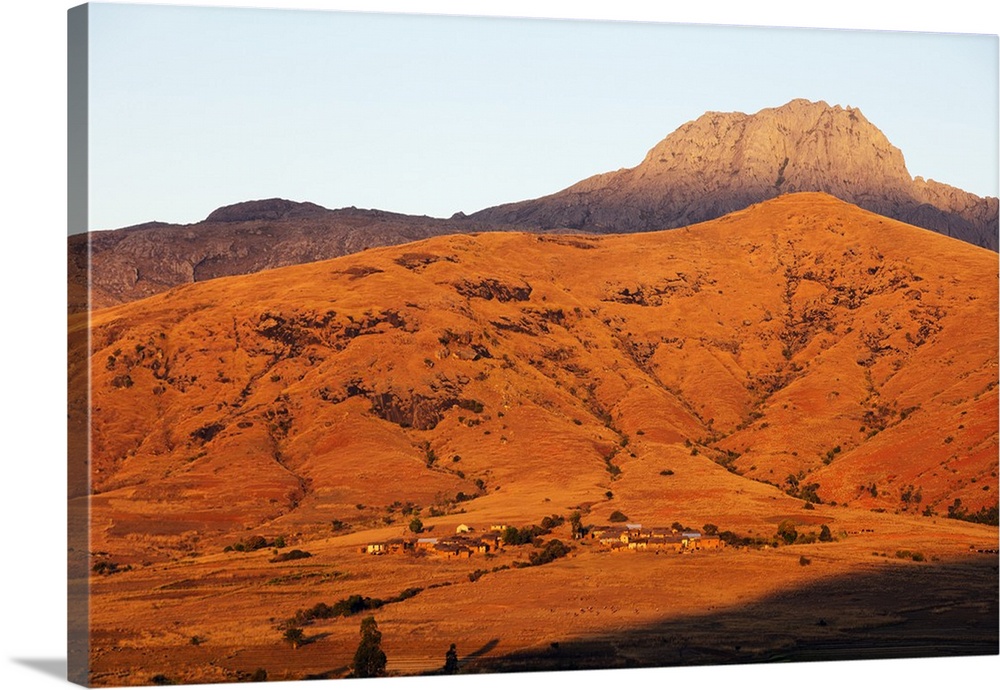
{"x":893,"y":611}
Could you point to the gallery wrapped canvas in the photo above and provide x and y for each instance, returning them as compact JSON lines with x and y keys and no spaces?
{"x":422,"y":345}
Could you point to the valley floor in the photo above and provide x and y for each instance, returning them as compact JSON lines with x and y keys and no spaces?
{"x":217,"y":617}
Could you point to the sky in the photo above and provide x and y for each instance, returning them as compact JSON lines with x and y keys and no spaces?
{"x":192,"y":108}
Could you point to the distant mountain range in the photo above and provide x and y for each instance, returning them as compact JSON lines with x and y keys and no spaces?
{"x":716,"y":164}
{"x":143,"y":260}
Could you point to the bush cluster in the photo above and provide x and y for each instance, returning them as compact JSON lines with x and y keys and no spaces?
{"x":348,"y":606}
{"x":256,"y":543}
{"x":512,"y":536}
{"x":984,"y":516}
{"x":293,"y":555}
{"x":109,"y":568}
{"x":553,"y":550}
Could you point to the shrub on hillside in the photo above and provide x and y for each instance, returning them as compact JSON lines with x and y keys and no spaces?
{"x":294,"y":637}
{"x":553,"y":550}
{"x":787,"y":532}
{"x":293,"y":555}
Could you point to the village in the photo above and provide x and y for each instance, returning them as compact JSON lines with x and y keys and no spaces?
{"x":466,"y":542}
{"x":634,"y":537}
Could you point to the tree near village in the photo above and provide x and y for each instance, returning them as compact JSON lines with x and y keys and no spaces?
{"x":369,"y":659}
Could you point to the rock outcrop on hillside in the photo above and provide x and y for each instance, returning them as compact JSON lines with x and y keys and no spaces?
{"x":723,"y":162}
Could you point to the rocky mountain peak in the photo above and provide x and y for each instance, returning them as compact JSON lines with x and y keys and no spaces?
{"x":800,"y":145}
{"x":724,"y":161}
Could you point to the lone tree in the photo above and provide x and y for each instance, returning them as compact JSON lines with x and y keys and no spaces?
{"x":369,"y":660}
{"x":416,"y":525}
{"x":294,"y":637}
{"x":451,"y":660}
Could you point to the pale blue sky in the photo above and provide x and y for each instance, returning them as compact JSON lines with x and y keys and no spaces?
{"x":194,"y":108}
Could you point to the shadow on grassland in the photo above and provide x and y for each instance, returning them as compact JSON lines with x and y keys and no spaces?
{"x":893,"y":611}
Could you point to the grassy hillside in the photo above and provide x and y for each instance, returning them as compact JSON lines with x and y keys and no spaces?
{"x":801,"y":360}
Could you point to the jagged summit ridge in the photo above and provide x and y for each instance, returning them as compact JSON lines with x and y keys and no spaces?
{"x":722,"y":162}
{"x":787,"y":149}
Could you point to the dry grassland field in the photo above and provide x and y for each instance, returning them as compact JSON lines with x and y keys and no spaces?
{"x":744,"y":440}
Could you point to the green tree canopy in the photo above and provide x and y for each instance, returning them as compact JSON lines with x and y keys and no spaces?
{"x":451,"y":660}
{"x":787,"y":531}
{"x":369,"y":659}
{"x":294,"y":637}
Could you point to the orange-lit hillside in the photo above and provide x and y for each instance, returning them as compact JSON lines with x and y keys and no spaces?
{"x":701,"y":375}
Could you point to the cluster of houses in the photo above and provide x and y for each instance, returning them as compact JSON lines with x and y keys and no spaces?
{"x":461,"y":545}
{"x":635,"y":537}
{"x":630,"y":536}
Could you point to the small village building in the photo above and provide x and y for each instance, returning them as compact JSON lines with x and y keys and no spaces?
{"x":391,"y":546}
{"x":672,"y":543}
{"x":399,"y":545}
{"x":689,"y":538}
{"x":707,"y":541}
{"x":610,"y":535}
{"x":463,"y":529}
{"x":635,"y":532}
{"x":492,"y":538}
{"x":451,"y":550}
